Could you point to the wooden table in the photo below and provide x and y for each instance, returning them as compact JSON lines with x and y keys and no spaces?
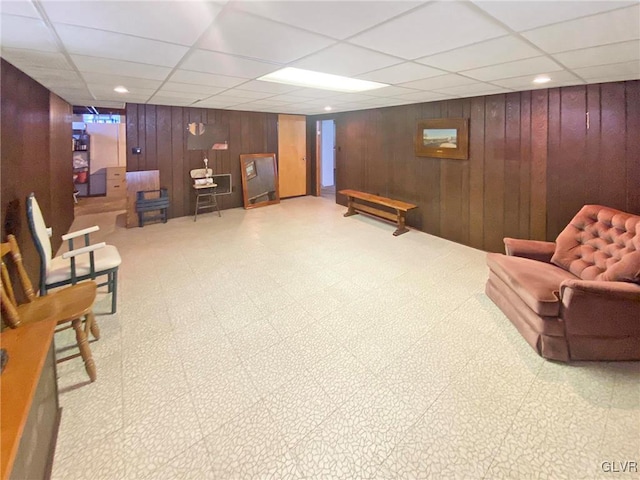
{"x":29,"y":411}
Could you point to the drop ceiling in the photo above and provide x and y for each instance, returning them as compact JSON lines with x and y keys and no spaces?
{"x":210,"y":54}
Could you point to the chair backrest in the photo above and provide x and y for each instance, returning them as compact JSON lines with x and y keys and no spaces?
{"x":40,"y":234}
{"x":600,"y":243}
{"x":10,"y":250}
{"x":201,"y":173}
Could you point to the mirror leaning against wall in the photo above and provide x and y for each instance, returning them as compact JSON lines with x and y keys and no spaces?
{"x":259,"y":179}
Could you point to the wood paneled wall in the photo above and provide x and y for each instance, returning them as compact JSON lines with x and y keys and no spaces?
{"x":533,"y":162}
{"x":161,"y":133}
{"x":36,"y":157}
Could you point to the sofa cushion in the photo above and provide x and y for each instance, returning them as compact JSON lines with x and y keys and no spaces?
{"x":600,"y":243}
{"x":536,"y":283}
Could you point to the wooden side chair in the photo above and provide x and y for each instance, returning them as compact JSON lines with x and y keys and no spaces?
{"x":67,"y":306}
{"x":86,"y":262}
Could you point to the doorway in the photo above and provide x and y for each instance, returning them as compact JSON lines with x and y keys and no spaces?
{"x":292,"y":152}
{"x":326,"y":158}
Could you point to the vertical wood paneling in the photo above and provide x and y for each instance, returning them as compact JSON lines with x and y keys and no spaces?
{"x":178,"y":129}
{"x":539,"y":139}
{"x":553,"y":154}
{"x":566,"y":159}
{"x":525,"y":151}
{"x":451,"y":194}
{"x":494,"y":172}
{"x":133,"y":161}
{"x":612,"y":146}
{"x":524,"y":217}
{"x":476,"y":172}
{"x":633,"y":145}
{"x":512,"y":165}
{"x":36,"y":157}
{"x":161,"y":132}
{"x":592,"y":158}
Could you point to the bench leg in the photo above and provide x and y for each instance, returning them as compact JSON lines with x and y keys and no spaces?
{"x":401,"y":225}
{"x":350,"y":209}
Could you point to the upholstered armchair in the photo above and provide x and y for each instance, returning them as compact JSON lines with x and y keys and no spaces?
{"x":577,"y":298}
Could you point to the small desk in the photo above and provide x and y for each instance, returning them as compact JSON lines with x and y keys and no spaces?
{"x":29,"y":412}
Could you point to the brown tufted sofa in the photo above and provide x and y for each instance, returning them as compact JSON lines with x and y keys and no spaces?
{"x":577,"y":298}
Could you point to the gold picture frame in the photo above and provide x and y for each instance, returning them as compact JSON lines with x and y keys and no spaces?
{"x":443,"y":138}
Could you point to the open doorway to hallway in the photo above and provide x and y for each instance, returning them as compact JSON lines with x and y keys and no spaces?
{"x":326,"y":155}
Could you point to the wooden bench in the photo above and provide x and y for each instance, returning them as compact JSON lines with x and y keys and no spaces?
{"x":400,"y":208}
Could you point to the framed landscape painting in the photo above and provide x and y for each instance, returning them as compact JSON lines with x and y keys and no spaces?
{"x":443,"y":138}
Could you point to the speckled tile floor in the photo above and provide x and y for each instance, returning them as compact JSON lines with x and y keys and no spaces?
{"x":291,"y":342}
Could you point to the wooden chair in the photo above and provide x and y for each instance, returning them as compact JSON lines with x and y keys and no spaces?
{"x":87,"y":262}
{"x":67,"y":306}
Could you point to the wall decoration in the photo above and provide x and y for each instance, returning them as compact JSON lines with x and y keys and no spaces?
{"x":443,"y":138}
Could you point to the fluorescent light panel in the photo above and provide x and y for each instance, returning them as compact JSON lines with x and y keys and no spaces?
{"x":324,"y":81}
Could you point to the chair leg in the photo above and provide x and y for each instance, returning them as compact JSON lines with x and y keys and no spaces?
{"x":85,"y":351}
{"x":114,"y":291}
{"x":91,"y":325}
{"x":195,"y":216}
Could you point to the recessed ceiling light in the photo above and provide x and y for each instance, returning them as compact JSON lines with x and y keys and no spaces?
{"x":324,"y":81}
{"x":327,"y":108}
{"x":541,"y":79}
{"x":121,"y":89}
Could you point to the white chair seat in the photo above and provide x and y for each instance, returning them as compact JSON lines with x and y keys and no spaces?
{"x":105,"y":259}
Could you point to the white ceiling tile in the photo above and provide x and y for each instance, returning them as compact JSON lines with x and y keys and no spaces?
{"x":267,"y":87}
{"x":240,"y":93}
{"x":525,"y":15}
{"x":190,"y":88}
{"x":530,"y":66}
{"x":169,"y":101}
{"x":97,"y":43}
{"x":214,"y":103}
{"x":526,"y":82}
{"x":338,"y":19}
{"x":423,"y":96}
{"x":109,"y":66}
{"x":404,"y":72}
{"x":611,"y":27}
{"x":108,"y":104}
{"x":266,"y":103}
{"x":350,"y":97}
{"x":192,"y":96}
{"x":223,"y":64}
{"x":603,"y":55}
{"x":289,"y":98}
{"x":28,"y":33}
{"x":313,"y":93}
{"x":497,"y":50}
{"x":199,"y":78}
{"x":277,"y":42}
{"x":345,"y":59}
{"x":429,"y":30}
{"x":35,"y":58}
{"x":175,"y":22}
{"x":115,"y":80}
{"x":391,"y":91}
{"x":624,"y":70}
{"x":443,"y":81}
{"x":472,"y":90}
{"x":23,"y":8}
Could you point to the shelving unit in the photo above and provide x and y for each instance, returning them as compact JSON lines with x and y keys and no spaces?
{"x":81,"y":162}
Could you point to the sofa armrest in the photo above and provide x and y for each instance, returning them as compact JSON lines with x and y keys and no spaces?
{"x":533,"y":249}
{"x":600,"y":308}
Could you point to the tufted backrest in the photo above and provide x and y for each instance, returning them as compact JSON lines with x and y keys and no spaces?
{"x":600,"y":243}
